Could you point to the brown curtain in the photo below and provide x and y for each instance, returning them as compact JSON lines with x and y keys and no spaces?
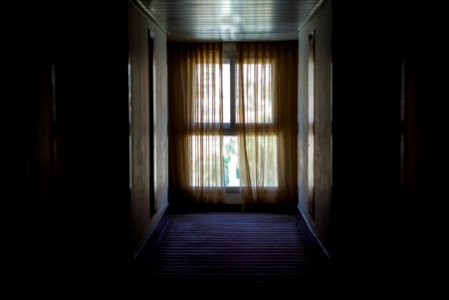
{"x":267,"y":121}
{"x":195,"y":97}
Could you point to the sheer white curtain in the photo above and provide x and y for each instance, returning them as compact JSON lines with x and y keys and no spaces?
{"x":267,"y":121}
{"x":195,"y":90}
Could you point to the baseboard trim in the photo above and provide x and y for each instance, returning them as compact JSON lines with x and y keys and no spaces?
{"x":150,"y":232}
{"x":313,"y":233}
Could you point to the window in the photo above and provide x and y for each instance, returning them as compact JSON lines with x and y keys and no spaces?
{"x":231,"y":174}
{"x":260,"y":89}
{"x":260,"y":93}
{"x":230,"y":139}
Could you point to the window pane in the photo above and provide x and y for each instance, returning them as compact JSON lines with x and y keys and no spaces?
{"x":207,"y":93}
{"x":226,"y":93}
{"x":258,"y":91}
{"x":206,"y":166}
{"x":262,"y":160}
{"x":231,"y":162}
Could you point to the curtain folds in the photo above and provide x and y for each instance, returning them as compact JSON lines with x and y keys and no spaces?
{"x":195,"y":93}
{"x":267,"y":121}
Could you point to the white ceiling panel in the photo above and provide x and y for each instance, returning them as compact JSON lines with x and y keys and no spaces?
{"x":230,"y":20}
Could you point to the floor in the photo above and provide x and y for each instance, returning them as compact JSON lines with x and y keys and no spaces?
{"x":231,"y":252}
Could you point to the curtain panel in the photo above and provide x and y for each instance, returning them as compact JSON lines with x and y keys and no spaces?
{"x":267,"y":117}
{"x":195,"y":93}
{"x":265,"y":120}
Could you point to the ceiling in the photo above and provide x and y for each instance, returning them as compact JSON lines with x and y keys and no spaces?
{"x":229,"y":20}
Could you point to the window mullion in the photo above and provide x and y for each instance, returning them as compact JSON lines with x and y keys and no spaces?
{"x":233,"y":96}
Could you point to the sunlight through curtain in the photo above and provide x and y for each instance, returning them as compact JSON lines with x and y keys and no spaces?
{"x":195,"y":92}
{"x":267,"y":121}
{"x":258,"y":113}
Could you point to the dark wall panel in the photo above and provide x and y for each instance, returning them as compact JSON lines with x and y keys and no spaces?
{"x":70,"y":138}
{"x":147,"y":206}
{"x":321,"y":27}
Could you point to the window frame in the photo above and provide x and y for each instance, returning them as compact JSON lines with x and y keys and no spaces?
{"x":231,"y":128}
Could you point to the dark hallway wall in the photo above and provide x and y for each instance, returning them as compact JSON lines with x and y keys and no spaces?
{"x":143,"y":221}
{"x":70,"y":205}
{"x":375,"y":224}
{"x":321,"y":25}
{"x":366,"y":214}
{"x":366,"y":59}
{"x":69,"y":210}
{"x":425,"y":129}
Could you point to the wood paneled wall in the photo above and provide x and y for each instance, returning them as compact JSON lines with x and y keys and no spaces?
{"x":142,"y":221}
{"x":72,"y":195}
{"x":321,"y":25}
{"x":367,"y":217}
{"x":376,"y":219}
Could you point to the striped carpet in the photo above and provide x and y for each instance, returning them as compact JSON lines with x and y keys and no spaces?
{"x":244,"y":252}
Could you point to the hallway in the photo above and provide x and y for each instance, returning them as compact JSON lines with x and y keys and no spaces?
{"x":79,"y":199}
{"x":232,"y":252}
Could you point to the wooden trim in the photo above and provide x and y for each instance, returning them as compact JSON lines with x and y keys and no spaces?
{"x":312,"y":13}
{"x":148,"y":14}
{"x":301,"y":215}
{"x":150,"y":231}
